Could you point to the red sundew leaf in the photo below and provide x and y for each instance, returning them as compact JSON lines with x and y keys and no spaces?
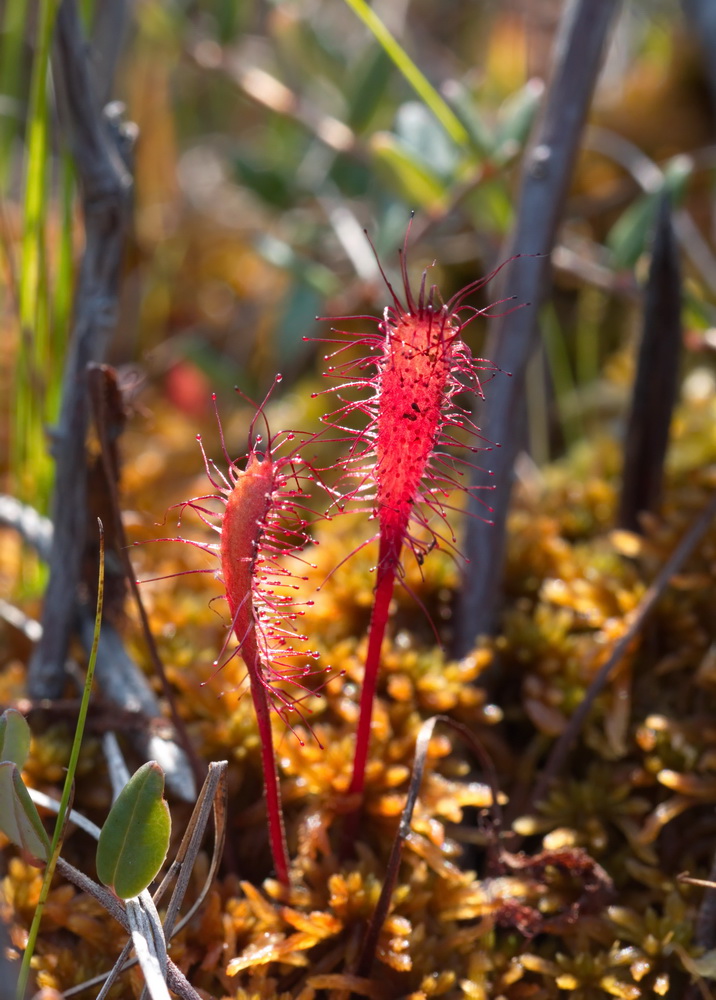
{"x":416,"y":443}
{"x":261,"y":522}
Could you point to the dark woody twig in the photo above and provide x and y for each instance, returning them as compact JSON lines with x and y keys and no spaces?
{"x":106,"y":190}
{"x":544,"y":184}
{"x":120,"y":679}
{"x":123,"y":684}
{"x":702,"y":16}
{"x":99,"y":144}
{"x":655,"y":386}
{"x":103,"y":392}
{"x":109,"y":28}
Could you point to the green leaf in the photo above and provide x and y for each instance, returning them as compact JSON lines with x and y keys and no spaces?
{"x":418,"y":131}
{"x":231,"y":18}
{"x":352,"y":178}
{"x":135,"y":839}
{"x":367,"y":87}
{"x":468,"y":104}
{"x":14,"y":737}
{"x":677,"y":173}
{"x":415,"y":77}
{"x":516,"y":117}
{"x":491,"y":206}
{"x":271,"y":185}
{"x":417,"y":184}
{"x":283,"y":255}
{"x":628,"y":237}
{"x":19,"y":819}
{"x":298,"y":314}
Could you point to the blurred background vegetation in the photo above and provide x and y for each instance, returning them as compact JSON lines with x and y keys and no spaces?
{"x":272,"y":133}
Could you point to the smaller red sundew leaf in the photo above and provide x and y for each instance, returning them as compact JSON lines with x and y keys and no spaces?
{"x":261,"y":516}
{"x":261,"y":519}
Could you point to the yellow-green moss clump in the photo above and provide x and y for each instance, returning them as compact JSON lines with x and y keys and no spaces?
{"x":587,"y":903}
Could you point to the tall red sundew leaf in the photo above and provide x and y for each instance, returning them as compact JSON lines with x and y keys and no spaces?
{"x":261,"y":522}
{"x":415,"y":445}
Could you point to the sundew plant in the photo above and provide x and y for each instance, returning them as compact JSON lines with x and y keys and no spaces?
{"x":261,"y":525}
{"x":416,"y":447}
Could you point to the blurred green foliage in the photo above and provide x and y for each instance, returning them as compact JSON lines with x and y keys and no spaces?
{"x":272,"y":134}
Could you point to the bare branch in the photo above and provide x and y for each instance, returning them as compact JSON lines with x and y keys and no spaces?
{"x":545,"y":181}
{"x":109,"y":27}
{"x":702,"y":15}
{"x":122,"y":682}
{"x":106,"y":189}
{"x":176,"y":980}
{"x":656,"y":384}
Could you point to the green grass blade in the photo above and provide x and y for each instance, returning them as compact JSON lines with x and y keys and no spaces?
{"x":560,"y":367}
{"x":417,"y":80}
{"x":62,"y":293}
{"x":537,"y":409}
{"x":591,"y":312}
{"x":12,"y":43}
{"x":69,"y":782}
{"x":31,"y":461}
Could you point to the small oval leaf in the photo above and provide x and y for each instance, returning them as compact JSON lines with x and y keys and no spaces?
{"x":629,"y":234}
{"x":135,"y":838}
{"x":14,"y":737}
{"x":19,"y":819}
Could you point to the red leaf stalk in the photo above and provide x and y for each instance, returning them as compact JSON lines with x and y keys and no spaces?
{"x":262,"y":523}
{"x":414,"y":447}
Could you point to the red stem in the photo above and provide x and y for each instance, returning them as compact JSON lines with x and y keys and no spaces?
{"x":388,"y":556}
{"x":274,"y":811}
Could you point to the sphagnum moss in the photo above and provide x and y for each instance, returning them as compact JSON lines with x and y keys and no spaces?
{"x":640,"y":804}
